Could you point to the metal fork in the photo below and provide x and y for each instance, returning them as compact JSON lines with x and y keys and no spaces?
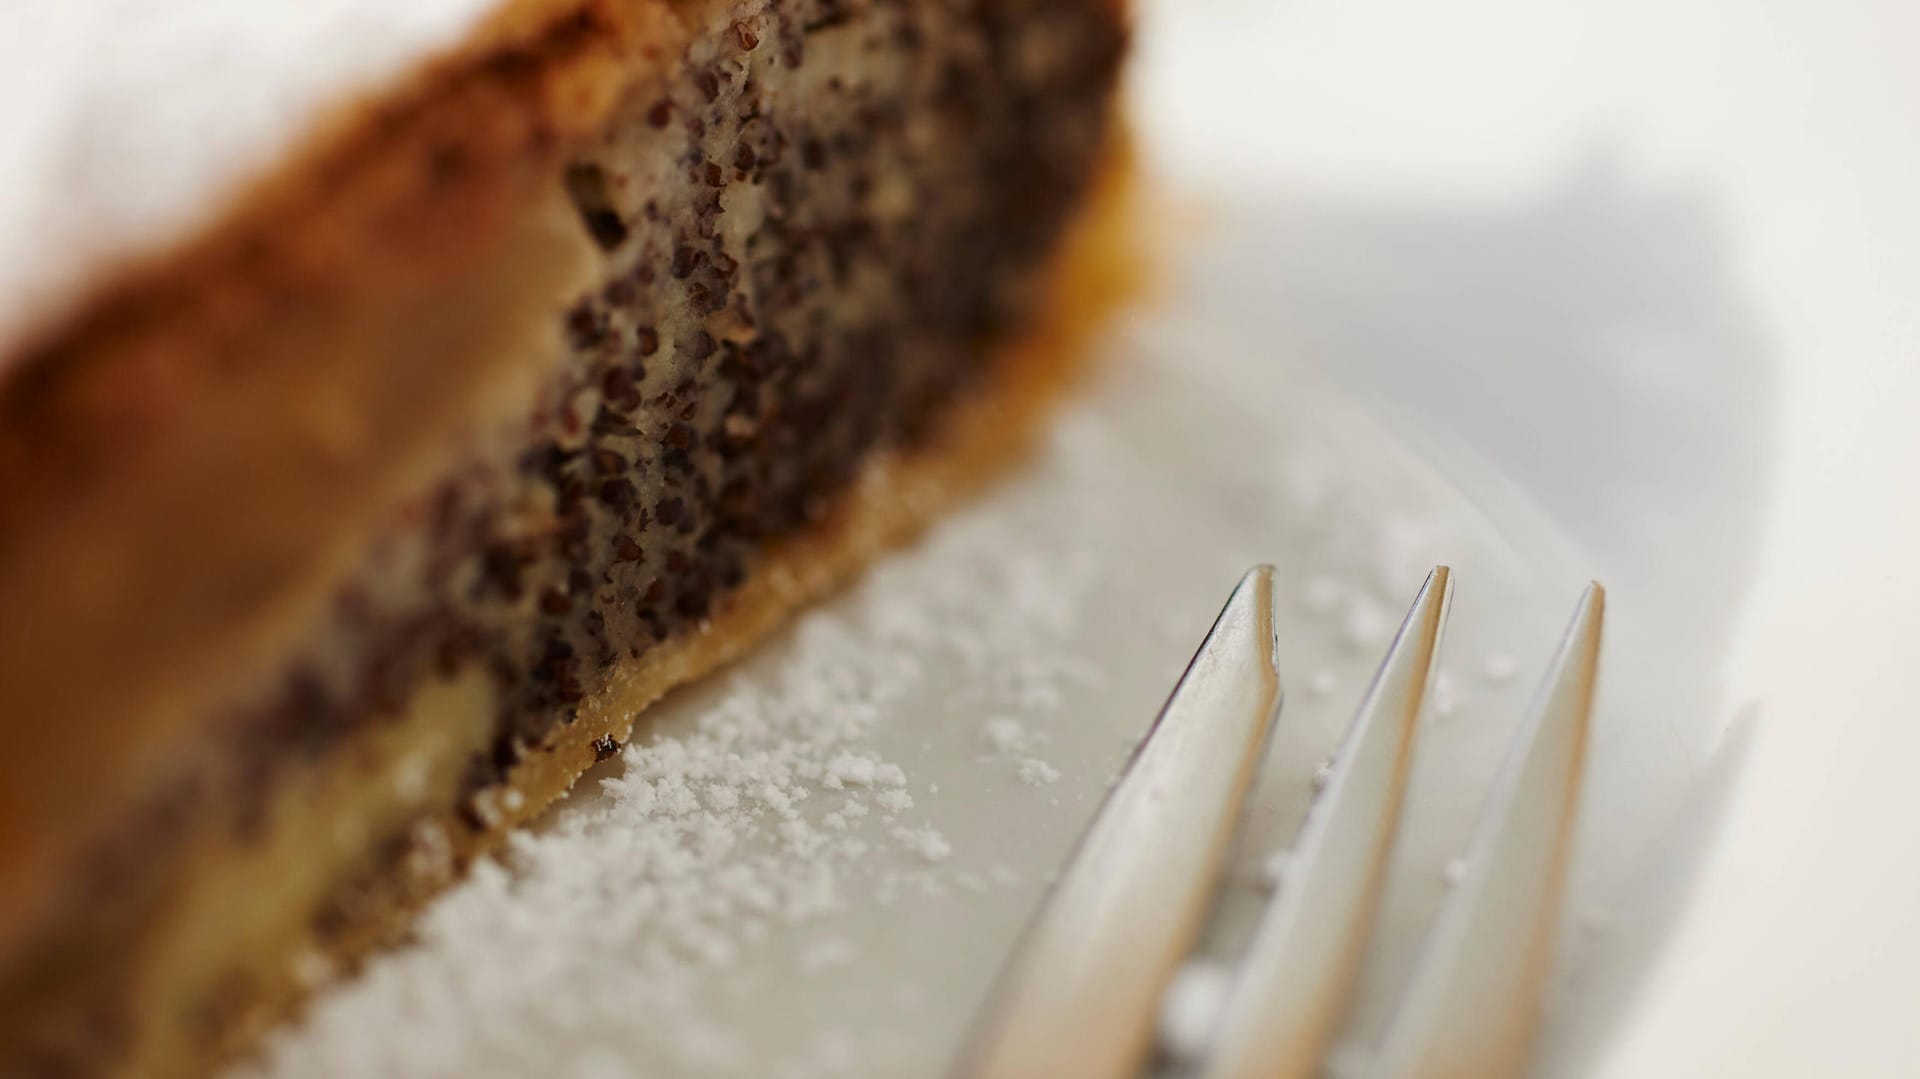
{"x":1081,"y":995}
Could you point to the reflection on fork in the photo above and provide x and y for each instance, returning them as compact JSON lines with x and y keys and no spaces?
{"x":1081,"y":995}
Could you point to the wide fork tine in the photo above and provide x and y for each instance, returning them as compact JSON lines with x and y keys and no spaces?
{"x":1475,"y":995}
{"x":1300,"y":970}
{"x":1082,"y":991}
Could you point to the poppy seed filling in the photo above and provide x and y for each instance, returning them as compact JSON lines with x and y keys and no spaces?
{"x":811,"y":239}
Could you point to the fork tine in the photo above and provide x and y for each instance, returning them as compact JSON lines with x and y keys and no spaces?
{"x":1470,"y":1008}
{"x":1081,"y":992}
{"x":1301,"y":967}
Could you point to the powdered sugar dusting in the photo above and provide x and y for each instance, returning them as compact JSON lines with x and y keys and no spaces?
{"x":926,"y":842}
{"x":1004,"y":734}
{"x":1037,"y":773}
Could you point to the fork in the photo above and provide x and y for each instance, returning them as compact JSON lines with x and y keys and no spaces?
{"x":1081,"y":994}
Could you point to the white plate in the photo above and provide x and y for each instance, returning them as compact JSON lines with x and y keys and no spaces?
{"x":1419,"y":318}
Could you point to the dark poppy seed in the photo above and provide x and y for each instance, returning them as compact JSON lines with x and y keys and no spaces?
{"x":693,"y":603}
{"x":501,"y":566}
{"x":619,"y":292}
{"x":555,"y":652}
{"x":607,"y":228}
{"x":617,"y":494}
{"x":585,"y":327}
{"x":508,"y":752}
{"x":661,"y":114}
{"x":618,"y":387}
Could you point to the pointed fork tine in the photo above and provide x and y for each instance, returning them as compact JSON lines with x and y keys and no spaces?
{"x":1295,"y":981}
{"x":1083,"y":989}
{"x":1475,"y":994}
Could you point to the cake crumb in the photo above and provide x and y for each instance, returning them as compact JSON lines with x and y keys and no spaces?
{"x":429,"y":851}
